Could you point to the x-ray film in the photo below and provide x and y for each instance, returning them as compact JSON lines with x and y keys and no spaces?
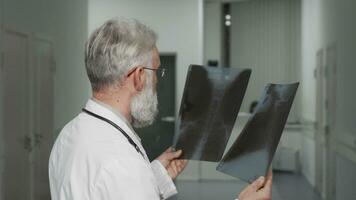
{"x":251,"y":154}
{"x":211,"y":101}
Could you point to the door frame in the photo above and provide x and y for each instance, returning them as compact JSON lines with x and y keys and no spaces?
{"x":320,"y":134}
{"x":35,"y":133}
{"x":325,"y":116}
{"x":9,"y":30}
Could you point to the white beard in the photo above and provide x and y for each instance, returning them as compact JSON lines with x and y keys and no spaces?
{"x":144,"y":105}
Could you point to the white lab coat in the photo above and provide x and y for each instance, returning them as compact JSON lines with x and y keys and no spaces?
{"x":92,"y":160}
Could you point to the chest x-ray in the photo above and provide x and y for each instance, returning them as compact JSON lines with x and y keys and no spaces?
{"x":210,"y":104}
{"x":251,"y":154}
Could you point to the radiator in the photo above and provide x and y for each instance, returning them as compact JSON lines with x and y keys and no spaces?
{"x":286,"y":159}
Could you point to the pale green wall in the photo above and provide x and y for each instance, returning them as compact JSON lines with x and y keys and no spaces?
{"x":72,"y":87}
{"x":66,"y":23}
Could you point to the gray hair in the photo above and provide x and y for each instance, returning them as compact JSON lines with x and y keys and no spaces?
{"x":116,"y":47}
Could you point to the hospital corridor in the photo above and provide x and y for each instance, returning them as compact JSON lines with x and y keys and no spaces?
{"x":47,"y":49}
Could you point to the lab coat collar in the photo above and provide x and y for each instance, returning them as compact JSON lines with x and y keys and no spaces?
{"x":118,"y":114}
{"x":106,"y":111}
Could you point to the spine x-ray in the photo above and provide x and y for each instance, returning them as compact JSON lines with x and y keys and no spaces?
{"x":251,"y":154}
{"x":211,"y":101}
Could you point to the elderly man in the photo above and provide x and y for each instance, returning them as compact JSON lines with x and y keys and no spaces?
{"x":98,"y":155}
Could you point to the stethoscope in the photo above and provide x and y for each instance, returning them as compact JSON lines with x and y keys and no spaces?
{"x":117,"y":127}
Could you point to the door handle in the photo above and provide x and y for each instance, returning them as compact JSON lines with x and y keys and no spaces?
{"x":29,"y":144}
{"x":38,"y":137}
{"x":26,"y":141}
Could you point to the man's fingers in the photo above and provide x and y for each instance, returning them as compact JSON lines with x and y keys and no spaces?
{"x":270,"y":175}
{"x":175,"y":168}
{"x":257,"y":184}
{"x":259,"y":189}
{"x":180,"y":165}
{"x":178,"y":153}
{"x":269,"y":178}
{"x":252,"y":188}
{"x":183,"y":163}
{"x":266,"y":191}
{"x":170,"y":149}
{"x":267,"y":188}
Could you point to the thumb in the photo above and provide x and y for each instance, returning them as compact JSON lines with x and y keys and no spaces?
{"x":257,"y":184}
{"x":170,"y":149}
{"x":174,"y":154}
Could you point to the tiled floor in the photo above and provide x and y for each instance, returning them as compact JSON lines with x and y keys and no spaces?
{"x":286,"y":186}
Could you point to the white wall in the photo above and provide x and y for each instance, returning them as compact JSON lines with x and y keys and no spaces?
{"x":311,"y":43}
{"x":179,"y":25}
{"x":72,"y":87}
{"x":311,"y":40}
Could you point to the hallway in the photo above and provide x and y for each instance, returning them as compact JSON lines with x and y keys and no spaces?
{"x":44,"y":84}
{"x":286,"y":186}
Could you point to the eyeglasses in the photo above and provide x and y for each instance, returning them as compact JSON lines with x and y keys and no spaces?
{"x":159,"y":71}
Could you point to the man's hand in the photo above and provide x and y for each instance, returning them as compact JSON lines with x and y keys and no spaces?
{"x":260,"y":189}
{"x":169,"y":159}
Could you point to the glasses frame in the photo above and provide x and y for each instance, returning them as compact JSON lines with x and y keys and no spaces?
{"x":160,"y":71}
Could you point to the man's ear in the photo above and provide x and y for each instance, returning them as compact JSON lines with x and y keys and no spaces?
{"x":139,"y":78}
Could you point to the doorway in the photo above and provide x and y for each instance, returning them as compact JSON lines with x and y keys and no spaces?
{"x":159,"y":136}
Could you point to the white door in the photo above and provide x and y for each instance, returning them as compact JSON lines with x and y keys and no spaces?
{"x":17,"y":142}
{"x":27,"y":85}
